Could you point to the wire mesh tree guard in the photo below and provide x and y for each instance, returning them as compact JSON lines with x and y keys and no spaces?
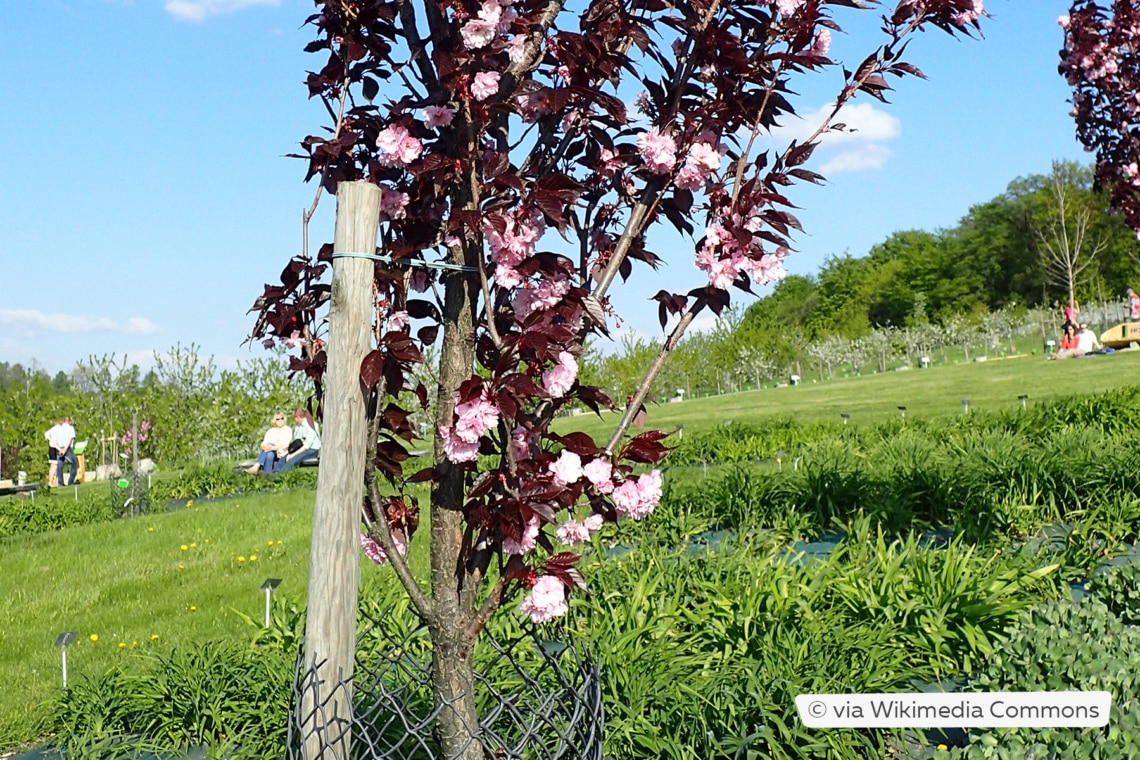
{"x":538,"y":699}
{"x":130,"y":495}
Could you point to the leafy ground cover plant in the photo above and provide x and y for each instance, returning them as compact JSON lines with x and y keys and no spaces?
{"x":1064,"y":646}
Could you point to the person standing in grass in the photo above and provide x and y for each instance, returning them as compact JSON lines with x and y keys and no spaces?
{"x":274,"y":446}
{"x":306,"y":443}
{"x":53,"y":455}
{"x":1133,"y":305}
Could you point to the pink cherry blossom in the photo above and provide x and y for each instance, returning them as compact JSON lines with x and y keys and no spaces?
{"x":376,"y":552}
{"x":392,"y":203}
{"x":438,"y":116}
{"x":567,"y":468}
{"x":397,"y":320}
{"x":546,"y":601}
{"x":456,"y":449}
{"x":397,"y":147}
{"x":659,"y":151}
{"x":515,"y":48}
{"x":600,"y":473}
{"x":594,"y":522}
{"x":637,"y":498}
{"x":822,"y":43}
{"x":529,"y":540}
{"x":485,"y":85}
{"x":572,"y":532}
{"x":294,"y":340}
{"x":477,"y":33}
{"x":558,"y":379}
{"x":520,"y":444}
{"x":545,"y":295}
{"x":788,"y":7}
{"x":475,"y":417}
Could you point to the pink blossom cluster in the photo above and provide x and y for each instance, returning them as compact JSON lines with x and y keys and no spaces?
{"x":397,"y":320}
{"x":392,"y":204}
{"x":294,"y":340}
{"x":494,"y":18}
{"x":438,"y":116}
{"x":558,"y":380}
{"x":546,"y":600}
{"x":397,"y":146}
{"x":659,"y":151}
{"x":513,"y":245}
{"x":529,"y":539}
{"x":540,"y":297}
{"x":473,"y":419}
{"x":723,"y":257}
{"x":572,"y":532}
{"x":375,"y":551}
{"x":567,"y":468}
{"x":637,"y":498}
{"x":701,"y":163}
{"x":822,"y":43}
{"x":788,"y":7}
{"x":485,"y":85}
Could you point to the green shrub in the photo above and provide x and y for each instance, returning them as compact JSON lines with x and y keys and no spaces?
{"x":223,"y":697}
{"x":1065,"y":646}
{"x":52,"y":512}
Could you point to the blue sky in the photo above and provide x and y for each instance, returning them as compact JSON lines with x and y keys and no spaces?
{"x":145,"y":198}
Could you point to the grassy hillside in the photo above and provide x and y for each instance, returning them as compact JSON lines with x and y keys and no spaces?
{"x":936,"y":391}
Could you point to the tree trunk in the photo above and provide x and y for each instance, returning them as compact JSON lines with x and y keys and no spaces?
{"x":334,"y":557}
{"x":453,"y":597}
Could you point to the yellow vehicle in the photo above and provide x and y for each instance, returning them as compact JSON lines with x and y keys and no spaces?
{"x":1121,"y":336}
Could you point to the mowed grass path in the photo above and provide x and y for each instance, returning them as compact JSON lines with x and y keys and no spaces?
{"x":991,"y":385}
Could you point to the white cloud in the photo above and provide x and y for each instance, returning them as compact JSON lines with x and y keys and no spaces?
{"x":864,"y":158}
{"x":857,"y":148}
{"x":200,"y":10}
{"x":27,"y":320}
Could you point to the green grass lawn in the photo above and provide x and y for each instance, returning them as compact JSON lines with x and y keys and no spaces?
{"x":990,"y":385}
{"x":131,"y":583}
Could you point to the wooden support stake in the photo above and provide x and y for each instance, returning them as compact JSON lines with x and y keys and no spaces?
{"x":334,"y":558}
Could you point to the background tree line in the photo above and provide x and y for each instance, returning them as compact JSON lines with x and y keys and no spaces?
{"x":195,"y":410}
{"x":997,"y":277}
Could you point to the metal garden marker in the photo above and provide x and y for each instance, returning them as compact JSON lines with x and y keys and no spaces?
{"x":965,"y":406}
{"x":1022,"y":398}
{"x":267,"y":587}
{"x":902,"y":411}
{"x":61,"y":641}
{"x":845,"y":417}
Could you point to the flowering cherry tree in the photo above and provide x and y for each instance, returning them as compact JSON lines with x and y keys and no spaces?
{"x":1101,"y":62}
{"x":523,"y":153}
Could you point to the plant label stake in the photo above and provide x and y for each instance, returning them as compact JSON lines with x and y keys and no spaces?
{"x":965,"y":406}
{"x":902,"y":411}
{"x":267,"y":587}
{"x":61,"y":641}
{"x":1022,"y":398}
{"x":845,"y":416}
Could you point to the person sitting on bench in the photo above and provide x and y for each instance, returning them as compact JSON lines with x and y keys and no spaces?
{"x":274,"y":446}
{"x":306,"y":443}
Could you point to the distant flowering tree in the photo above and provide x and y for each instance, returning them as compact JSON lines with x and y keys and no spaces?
{"x":527,"y":149}
{"x":1101,"y":62}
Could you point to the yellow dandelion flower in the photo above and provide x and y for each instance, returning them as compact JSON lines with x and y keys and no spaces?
{"x":253,"y":558}
{"x":184,"y":547}
{"x":182,"y":567}
{"x":278,"y":543}
{"x":189,"y":502}
{"x":122,"y":645}
{"x":943,"y":747}
{"x":154,"y":637}
{"x":241,"y":559}
{"x":193,"y":608}
{"x":94,"y":637}
{"x":270,"y":543}
{"x":150,"y":530}
{"x":193,"y":546}
{"x":134,"y":643}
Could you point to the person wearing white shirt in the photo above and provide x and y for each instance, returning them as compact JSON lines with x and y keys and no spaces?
{"x":1086,"y":341}
{"x":63,"y":438}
